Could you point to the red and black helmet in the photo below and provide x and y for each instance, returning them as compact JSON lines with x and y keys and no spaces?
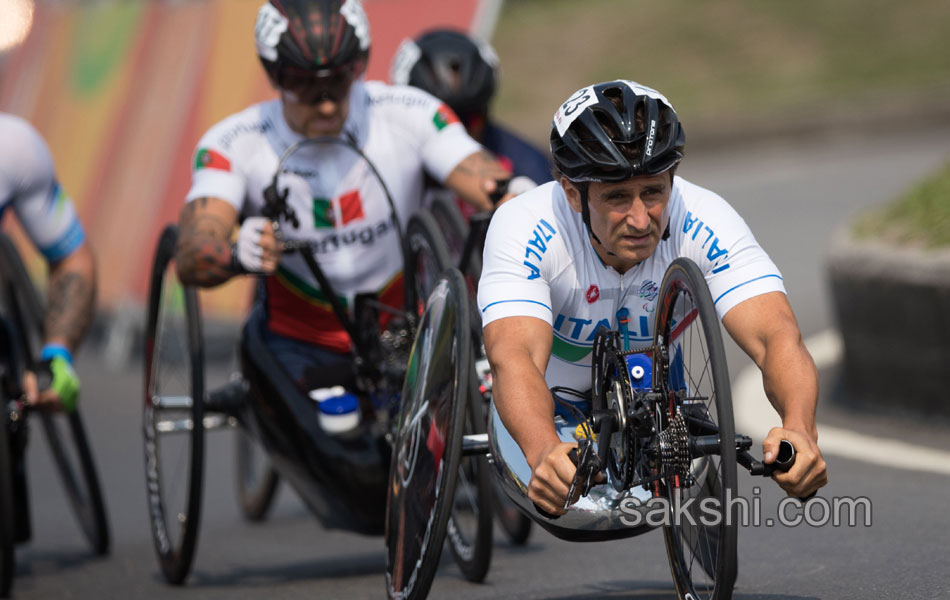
{"x":316,"y":38}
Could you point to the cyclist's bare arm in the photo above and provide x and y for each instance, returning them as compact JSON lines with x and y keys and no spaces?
{"x":518,"y":349}
{"x":71,"y":298}
{"x":203,"y":255}
{"x":474,"y":178}
{"x":766,"y":329}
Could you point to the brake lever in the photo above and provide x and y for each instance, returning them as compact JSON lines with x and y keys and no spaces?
{"x":501,"y":189}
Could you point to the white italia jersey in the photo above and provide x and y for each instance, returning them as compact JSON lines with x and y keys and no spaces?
{"x":403,"y":131}
{"x":539,"y":262}
{"x":28,"y":184}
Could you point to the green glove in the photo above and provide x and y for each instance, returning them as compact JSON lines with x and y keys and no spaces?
{"x":63,"y":380}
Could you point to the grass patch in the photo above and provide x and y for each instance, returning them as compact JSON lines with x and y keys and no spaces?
{"x":919,"y":218}
{"x":723,"y":59}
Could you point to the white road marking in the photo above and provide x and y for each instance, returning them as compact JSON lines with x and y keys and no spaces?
{"x":755,"y":416}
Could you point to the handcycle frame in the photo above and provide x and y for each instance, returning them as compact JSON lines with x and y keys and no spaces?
{"x":675,"y":440}
{"x":344,"y":480}
{"x":21,"y":327}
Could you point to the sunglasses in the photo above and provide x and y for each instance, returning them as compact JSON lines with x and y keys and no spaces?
{"x":310,"y":87}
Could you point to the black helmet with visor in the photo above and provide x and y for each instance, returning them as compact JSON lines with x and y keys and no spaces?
{"x":313,"y":49}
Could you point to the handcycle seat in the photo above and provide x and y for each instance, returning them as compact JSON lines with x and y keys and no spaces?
{"x":341,"y":479}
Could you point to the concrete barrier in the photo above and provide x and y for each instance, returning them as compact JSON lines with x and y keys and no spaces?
{"x":893,"y":310}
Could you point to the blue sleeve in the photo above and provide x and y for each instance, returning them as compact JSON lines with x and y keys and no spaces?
{"x":525,"y":159}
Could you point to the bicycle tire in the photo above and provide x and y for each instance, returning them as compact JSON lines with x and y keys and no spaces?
{"x":693,"y":372}
{"x":257,"y":486}
{"x":7,"y":560}
{"x":427,"y":256}
{"x":450,"y":220}
{"x":470,"y":524}
{"x":175,"y":547}
{"x":427,"y":441}
{"x":76,"y":466}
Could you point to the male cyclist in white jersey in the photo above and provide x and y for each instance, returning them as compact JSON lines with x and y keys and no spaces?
{"x":572,"y":254}
{"x":315,"y":53}
{"x":29,"y":186}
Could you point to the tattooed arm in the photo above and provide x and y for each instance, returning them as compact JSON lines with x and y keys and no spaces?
{"x":203,"y":255}
{"x":72,"y":298}
{"x":474,"y":178}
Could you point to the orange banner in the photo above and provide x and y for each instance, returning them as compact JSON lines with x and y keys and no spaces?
{"x":122,"y":91}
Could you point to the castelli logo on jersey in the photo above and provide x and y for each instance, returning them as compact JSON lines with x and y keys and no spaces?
{"x":593,"y":293}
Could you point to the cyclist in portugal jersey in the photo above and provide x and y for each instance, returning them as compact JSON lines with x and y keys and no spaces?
{"x":315,"y":52}
{"x":29,"y":186}
{"x":593,"y":247}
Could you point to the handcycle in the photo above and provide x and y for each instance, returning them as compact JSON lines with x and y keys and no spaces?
{"x":658,"y":425}
{"x":394,"y":474}
{"x":21,"y":331}
{"x":465,"y":242}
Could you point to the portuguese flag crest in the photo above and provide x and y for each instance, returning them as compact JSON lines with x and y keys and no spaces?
{"x":209,"y":159}
{"x":444,"y":117}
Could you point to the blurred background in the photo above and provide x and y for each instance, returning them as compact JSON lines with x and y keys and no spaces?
{"x":122,"y":90}
{"x":805,"y":115}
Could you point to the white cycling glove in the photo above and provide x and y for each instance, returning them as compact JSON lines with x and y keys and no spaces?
{"x":521,"y":184}
{"x":247,"y":252}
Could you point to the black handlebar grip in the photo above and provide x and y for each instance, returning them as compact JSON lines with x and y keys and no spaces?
{"x":501,"y":188}
{"x":786,"y":456}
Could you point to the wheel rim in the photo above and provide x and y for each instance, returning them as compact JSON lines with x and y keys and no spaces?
{"x":173,"y":422}
{"x":702,"y":552}
{"x":427,"y":446}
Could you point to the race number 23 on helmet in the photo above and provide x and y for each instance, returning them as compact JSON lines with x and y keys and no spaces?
{"x":616,"y":130}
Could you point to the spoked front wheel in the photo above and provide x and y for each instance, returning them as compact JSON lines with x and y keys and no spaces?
{"x":690,"y":368}
{"x":427,"y":441}
{"x":173,"y":419}
{"x":65,"y":432}
{"x":470,"y":525}
{"x":6,"y":504}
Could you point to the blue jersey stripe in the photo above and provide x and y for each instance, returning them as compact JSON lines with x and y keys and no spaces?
{"x":68,"y":243}
{"x":503,"y":301}
{"x":735,"y":287}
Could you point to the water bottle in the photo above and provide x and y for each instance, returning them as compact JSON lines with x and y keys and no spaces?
{"x":338,"y":410}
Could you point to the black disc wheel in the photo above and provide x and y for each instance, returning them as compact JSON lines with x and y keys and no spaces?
{"x":691,"y":370}
{"x":428,"y":440}
{"x":470,"y":525}
{"x":65,"y":432}
{"x":6,"y":504}
{"x":427,"y":256}
{"x":450,"y":221}
{"x":173,"y":419}
{"x":256,"y":478}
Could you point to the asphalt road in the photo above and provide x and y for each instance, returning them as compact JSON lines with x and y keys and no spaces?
{"x":793,"y":194}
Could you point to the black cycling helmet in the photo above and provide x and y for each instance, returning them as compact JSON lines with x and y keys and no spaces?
{"x":613,"y":131}
{"x":451,"y":66}
{"x":616,"y":130}
{"x":300,"y":39}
